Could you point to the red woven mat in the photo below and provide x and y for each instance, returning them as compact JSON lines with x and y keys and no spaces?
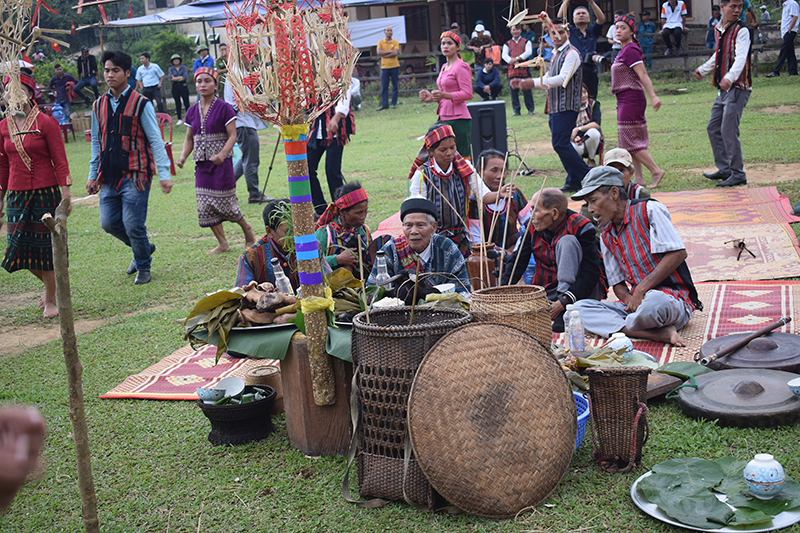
{"x":728,"y":307}
{"x":177,"y":376}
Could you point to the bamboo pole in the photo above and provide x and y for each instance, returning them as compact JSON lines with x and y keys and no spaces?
{"x":505,"y":229}
{"x":361,"y":277}
{"x":294,"y":142}
{"x":77,"y":414}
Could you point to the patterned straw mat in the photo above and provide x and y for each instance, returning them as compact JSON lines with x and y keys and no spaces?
{"x":729,"y":307}
{"x":177,"y":376}
{"x":707,"y":219}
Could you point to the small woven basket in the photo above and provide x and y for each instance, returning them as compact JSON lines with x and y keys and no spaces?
{"x":618,"y":398}
{"x":520,"y":306}
{"x":387,"y":352}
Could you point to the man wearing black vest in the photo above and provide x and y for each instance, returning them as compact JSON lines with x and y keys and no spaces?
{"x":730,"y":64}
{"x":563,"y":84}
{"x":127,"y":148}
{"x":564,"y":244}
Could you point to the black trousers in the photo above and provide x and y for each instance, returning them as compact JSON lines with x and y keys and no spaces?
{"x":787,"y":54}
{"x":180,"y":92}
{"x":154,"y":95}
{"x":333,"y":169}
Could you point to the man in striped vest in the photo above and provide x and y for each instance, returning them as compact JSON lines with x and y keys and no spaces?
{"x":730,"y":64}
{"x":563,"y":84}
{"x":516,"y":51}
{"x":565,"y":248}
{"x":645,"y":262}
{"x":127,"y":148}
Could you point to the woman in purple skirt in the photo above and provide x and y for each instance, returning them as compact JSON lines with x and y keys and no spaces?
{"x":211,"y":134}
{"x":629,"y":81}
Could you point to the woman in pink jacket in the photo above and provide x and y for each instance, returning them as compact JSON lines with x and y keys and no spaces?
{"x":454,"y":91}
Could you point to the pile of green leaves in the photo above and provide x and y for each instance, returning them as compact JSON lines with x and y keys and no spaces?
{"x":218,"y":313}
{"x":685,"y":489}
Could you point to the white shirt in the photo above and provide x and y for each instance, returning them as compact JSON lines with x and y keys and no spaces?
{"x":673,"y":18}
{"x":790,"y":9}
{"x":663,"y":239}
{"x":243,"y":118}
{"x":611,"y":35}
{"x":568,"y":69}
{"x":525,"y":55}
{"x":740,"y":59}
{"x":343,"y":107}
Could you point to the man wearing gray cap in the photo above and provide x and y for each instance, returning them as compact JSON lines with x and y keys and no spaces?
{"x":419,"y":247}
{"x":640,"y":248}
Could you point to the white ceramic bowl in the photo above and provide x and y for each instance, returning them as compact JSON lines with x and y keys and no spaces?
{"x":210,"y":395}
{"x":445,"y":288}
{"x":233,"y":386}
{"x":794,"y":385}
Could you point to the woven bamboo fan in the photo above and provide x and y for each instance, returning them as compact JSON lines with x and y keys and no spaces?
{"x":521,"y":306}
{"x":492,"y":420}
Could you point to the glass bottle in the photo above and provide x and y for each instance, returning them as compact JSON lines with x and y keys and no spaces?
{"x":381,"y":275}
{"x":282,"y":283}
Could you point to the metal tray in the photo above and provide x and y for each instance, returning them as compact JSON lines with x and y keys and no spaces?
{"x":785,"y":519}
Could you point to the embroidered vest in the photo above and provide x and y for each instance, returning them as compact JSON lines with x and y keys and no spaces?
{"x":516,"y":49}
{"x":125,"y":151}
{"x":545,"y":252}
{"x":560,"y":99}
{"x":347,"y":127}
{"x":632,"y":250}
{"x":726,"y":54}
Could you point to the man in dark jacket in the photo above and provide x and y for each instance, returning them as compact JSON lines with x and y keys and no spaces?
{"x":564,"y":245}
{"x":487,"y":81}
{"x":87,"y":70}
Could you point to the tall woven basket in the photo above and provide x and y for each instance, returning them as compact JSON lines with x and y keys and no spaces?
{"x":387,"y":352}
{"x":520,"y":306}
{"x":618,"y":398}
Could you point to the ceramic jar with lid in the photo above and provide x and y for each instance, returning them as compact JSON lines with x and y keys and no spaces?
{"x":764,"y":476}
{"x":620,"y":341}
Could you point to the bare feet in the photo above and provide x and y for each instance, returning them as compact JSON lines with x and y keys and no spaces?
{"x":41,"y":302}
{"x":249,"y":236}
{"x":667,"y":335}
{"x":639,"y":180}
{"x":657,"y":177}
{"x":50,"y":310}
{"x":219,"y":249}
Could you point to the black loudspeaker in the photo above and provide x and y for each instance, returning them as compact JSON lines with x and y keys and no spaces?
{"x":488,"y":126}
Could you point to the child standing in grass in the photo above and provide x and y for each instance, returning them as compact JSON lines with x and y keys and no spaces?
{"x":211,"y":134}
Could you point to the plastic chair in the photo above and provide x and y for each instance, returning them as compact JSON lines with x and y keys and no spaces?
{"x":164,"y":118}
{"x":65,"y":129}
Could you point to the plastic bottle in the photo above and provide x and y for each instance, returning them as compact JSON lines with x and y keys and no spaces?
{"x":577,"y":339}
{"x":567,"y":318}
{"x":58,"y":114}
{"x":282,"y":283}
{"x":382,"y":275}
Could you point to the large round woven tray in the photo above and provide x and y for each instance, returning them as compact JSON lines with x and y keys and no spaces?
{"x":492,"y":419}
{"x":521,"y":306}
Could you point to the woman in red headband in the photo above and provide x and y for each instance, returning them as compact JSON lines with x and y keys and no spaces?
{"x":342,"y":225}
{"x":454,"y":91}
{"x":34,"y":177}
{"x":211,"y":134}
{"x":628,"y":79}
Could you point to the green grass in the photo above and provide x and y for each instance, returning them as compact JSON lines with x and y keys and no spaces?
{"x":154,"y":470}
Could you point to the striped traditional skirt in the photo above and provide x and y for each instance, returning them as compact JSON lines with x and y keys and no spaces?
{"x":29,"y":245}
{"x":215,"y":207}
{"x":631,"y":124}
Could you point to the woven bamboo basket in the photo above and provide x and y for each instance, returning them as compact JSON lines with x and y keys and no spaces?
{"x":387,"y":352}
{"x":520,"y":306}
{"x":618,"y":397}
{"x":492,"y":420}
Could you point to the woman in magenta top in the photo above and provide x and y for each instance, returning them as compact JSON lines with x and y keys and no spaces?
{"x":454,"y":91}
{"x":629,"y":80}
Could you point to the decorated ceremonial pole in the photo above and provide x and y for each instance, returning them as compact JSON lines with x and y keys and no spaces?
{"x":289,"y":63}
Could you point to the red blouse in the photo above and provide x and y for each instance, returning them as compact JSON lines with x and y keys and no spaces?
{"x":48,"y":159}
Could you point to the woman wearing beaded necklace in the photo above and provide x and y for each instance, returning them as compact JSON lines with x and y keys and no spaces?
{"x":211,"y":134}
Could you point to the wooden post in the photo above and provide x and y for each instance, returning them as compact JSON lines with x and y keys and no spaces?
{"x":310,"y":274}
{"x":77,"y":415}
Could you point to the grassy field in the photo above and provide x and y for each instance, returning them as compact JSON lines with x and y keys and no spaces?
{"x":154,"y":470}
